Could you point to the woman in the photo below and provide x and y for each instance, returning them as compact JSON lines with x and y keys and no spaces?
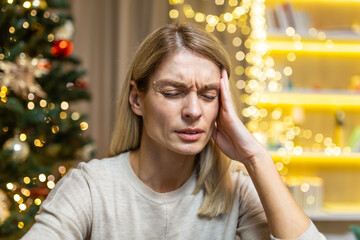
{"x":169,"y":175}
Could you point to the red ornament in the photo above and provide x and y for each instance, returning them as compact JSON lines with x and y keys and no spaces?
{"x":62,"y":48}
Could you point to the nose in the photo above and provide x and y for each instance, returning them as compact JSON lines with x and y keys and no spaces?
{"x":191,"y":107}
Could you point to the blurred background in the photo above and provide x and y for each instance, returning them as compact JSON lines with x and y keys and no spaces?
{"x":295,"y":82}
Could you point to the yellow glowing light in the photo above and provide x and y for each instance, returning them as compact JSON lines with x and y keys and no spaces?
{"x":9,"y":186}
{"x":42,"y":177}
{"x":220,"y":27}
{"x":21,"y":225}
{"x":50,"y":184}
{"x":240,"y":84}
{"x":31,"y":105}
{"x":238,"y":11}
{"x":63,"y":115}
{"x":12,"y":30}
{"x":27,"y":4}
{"x":233,"y":3}
{"x":84,"y":126}
{"x":327,"y":141}
{"x":305,"y":187}
{"x":228,"y":17}
{"x":22,"y":137}
{"x":37,"y":201}
{"x":298,"y":150}
{"x":22,"y":207}
{"x":2,"y":56}
{"x":288,"y":71}
{"x":51,"y":106}
{"x":315,"y":47}
{"x":25,"y":192}
{"x":298,"y":45}
{"x":17,"y":197}
{"x":38,"y":143}
{"x":321,"y":36}
{"x":329,"y":44}
{"x":219,"y":2}
{"x":329,"y":102}
{"x":31,"y":96}
{"x":36,"y":3}
{"x":55,"y":129}
{"x":291,"y":56}
{"x":209,"y":28}
{"x":64,"y":105}
{"x":310,"y":200}
{"x":276,"y":114}
{"x":245,"y":30}
{"x":10,"y":1}
{"x":212,"y":20}
{"x":237,"y":42}
{"x":33,"y":12}
{"x":347,"y":151}
{"x":273,"y":86}
{"x":175,"y":2}
{"x":279,"y":166}
{"x":43,"y":103}
{"x":51,"y":178}
{"x":290,"y":31}
{"x":263,"y":113}
{"x":319,"y":138}
{"x":231,"y":28}
{"x":173,"y":13}
{"x":199,"y":17}
{"x":75,"y":116}
{"x":51,"y":37}
{"x":239,"y":70}
{"x":27,"y":180}
{"x":62,"y":169}
{"x":240,"y":56}
{"x":312,"y":32}
{"x":25,"y":25}
{"x":188,"y":11}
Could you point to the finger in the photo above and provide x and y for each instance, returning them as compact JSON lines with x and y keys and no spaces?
{"x":225,"y":91}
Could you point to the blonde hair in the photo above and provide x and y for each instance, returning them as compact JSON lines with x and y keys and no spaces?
{"x":213,"y":165}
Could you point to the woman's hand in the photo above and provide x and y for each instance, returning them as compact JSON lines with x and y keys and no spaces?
{"x":230,"y":134}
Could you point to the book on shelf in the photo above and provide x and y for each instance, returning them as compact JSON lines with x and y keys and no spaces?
{"x":283,"y":15}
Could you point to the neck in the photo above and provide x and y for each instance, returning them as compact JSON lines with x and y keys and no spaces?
{"x":162,"y":171}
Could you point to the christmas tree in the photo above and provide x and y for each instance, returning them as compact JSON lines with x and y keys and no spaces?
{"x":39,"y":131}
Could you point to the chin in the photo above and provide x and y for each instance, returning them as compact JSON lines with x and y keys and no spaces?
{"x":190,"y":150}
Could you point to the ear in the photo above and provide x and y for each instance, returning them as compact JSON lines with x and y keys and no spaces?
{"x":135,"y":99}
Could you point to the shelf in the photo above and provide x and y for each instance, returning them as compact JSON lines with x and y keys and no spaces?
{"x":313,"y":101}
{"x":325,"y":216}
{"x":351,"y":159}
{"x":311,"y":46}
{"x":337,"y":212}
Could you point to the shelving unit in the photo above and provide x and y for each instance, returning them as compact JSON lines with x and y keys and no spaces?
{"x":324,"y":61}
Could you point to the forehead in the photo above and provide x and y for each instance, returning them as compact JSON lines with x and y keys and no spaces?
{"x":188,"y":68}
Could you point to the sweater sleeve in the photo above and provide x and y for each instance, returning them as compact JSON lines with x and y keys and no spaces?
{"x":252,"y":222}
{"x":310,"y":234}
{"x":67,"y":211}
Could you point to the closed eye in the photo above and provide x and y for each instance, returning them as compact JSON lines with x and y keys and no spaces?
{"x":171,"y":94}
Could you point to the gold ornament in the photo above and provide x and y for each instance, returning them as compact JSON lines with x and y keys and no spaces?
{"x":20,"y":76}
{"x":20,"y":150}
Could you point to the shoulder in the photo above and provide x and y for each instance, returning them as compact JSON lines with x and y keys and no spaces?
{"x":104,"y":166}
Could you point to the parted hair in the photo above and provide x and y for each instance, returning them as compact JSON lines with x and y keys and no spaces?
{"x":212,"y":165}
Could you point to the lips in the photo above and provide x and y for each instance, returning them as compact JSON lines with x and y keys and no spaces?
{"x":190,"y":134}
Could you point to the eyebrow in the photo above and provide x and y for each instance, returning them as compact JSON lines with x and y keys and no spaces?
{"x":181,"y":85}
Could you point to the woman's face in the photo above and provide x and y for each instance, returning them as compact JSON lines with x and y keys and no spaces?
{"x":181,"y":104}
